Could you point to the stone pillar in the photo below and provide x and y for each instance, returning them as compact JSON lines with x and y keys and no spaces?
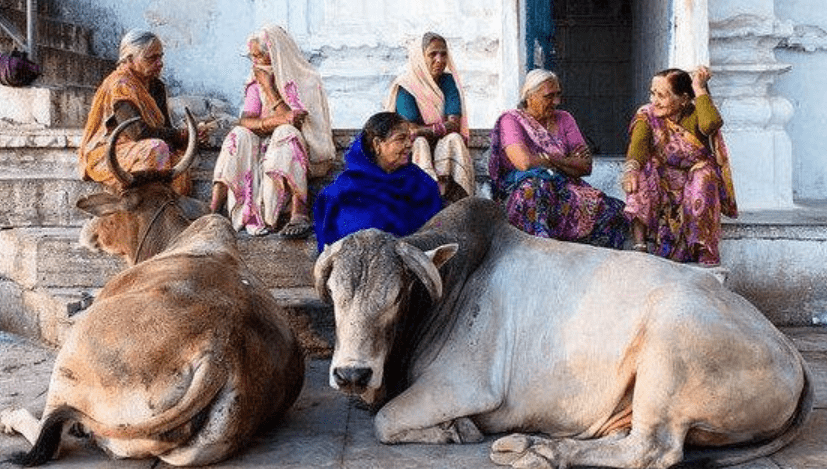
{"x":743,"y":36}
{"x":689,"y":45}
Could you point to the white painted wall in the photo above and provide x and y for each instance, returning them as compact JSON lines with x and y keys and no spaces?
{"x":357,"y":45}
{"x":804,"y":86}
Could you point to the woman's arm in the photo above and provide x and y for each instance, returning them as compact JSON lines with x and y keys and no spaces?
{"x":709,"y":119}
{"x":251,"y":116}
{"x":577,"y":163}
{"x":125,"y":110}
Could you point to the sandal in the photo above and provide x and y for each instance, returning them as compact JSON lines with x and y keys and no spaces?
{"x":640,"y":247}
{"x":296,"y":230}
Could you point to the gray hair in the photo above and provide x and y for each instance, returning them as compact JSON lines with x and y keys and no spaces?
{"x":134,"y":42}
{"x":429,"y":37}
{"x":533,"y":80}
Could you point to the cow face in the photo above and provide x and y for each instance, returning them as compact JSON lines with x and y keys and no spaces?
{"x":149,"y":214}
{"x":368,"y":277}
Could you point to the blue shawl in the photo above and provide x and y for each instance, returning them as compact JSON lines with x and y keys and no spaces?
{"x":364,"y":196}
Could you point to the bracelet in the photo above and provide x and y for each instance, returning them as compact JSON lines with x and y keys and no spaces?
{"x":438,"y":128}
{"x":631,"y":166}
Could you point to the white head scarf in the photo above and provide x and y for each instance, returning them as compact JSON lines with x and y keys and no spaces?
{"x":417,"y":80}
{"x":301,"y":87}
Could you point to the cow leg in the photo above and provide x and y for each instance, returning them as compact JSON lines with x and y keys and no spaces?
{"x":433,"y":411}
{"x":621,"y":450}
{"x":20,"y":421}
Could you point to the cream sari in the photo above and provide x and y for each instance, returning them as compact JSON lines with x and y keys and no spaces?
{"x":261,"y":173}
{"x":450,"y":157}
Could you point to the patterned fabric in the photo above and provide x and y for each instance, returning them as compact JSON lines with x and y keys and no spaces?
{"x":147,"y":154}
{"x":551,"y":204}
{"x":258,"y":171}
{"x":300,"y":85}
{"x":682,"y":190}
{"x":454,"y":160}
{"x":365,"y":196}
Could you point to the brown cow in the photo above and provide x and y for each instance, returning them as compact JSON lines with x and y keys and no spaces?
{"x":181,"y":356}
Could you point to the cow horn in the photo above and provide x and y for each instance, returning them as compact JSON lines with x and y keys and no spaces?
{"x":124,"y":177}
{"x":422,"y":267}
{"x":322,"y":269}
{"x":189,"y":154}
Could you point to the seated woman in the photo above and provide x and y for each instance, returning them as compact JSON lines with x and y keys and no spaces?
{"x":677,"y":176}
{"x":283,"y":133}
{"x":429,"y":95}
{"x":134,"y":89}
{"x":379,"y":187}
{"x":537,"y":159}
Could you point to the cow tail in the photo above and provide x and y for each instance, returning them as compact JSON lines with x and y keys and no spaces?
{"x":48,"y":440}
{"x":794,"y":428}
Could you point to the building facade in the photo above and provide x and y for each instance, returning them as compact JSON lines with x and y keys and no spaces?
{"x":766,"y":55}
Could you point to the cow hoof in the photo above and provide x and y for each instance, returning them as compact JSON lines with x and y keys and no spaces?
{"x":7,"y":420}
{"x":506,"y":450}
{"x":532,"y":461}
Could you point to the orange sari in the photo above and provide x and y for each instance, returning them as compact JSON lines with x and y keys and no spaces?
{"x":141,"y":155}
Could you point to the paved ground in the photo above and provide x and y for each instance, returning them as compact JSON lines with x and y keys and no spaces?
{"x":327,"y":430}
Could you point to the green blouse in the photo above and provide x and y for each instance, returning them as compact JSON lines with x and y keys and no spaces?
{"x":704,"y":120}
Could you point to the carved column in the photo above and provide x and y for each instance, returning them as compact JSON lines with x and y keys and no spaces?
{"x":741,"y":49}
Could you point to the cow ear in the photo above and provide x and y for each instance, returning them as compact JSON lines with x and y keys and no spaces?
{"x":323,"y":267}
{"x":101,"y":204}
{"x":442,"y":254}
{"x":423,"y":267}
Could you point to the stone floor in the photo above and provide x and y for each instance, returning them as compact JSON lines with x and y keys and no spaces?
{"x":328,"y":430}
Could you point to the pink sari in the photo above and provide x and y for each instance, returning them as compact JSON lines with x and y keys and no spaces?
{"x":684,"y":188}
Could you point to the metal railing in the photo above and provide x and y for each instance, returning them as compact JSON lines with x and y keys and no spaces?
{"x":29,"y":44}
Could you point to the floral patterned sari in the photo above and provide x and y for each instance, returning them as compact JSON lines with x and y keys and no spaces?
{"x":552,"y":204}
{"x":683,"y":189}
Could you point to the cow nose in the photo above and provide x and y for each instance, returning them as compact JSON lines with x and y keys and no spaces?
{"x":352,"y":377}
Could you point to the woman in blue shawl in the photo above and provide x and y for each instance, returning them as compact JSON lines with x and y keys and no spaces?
{"x":379,"y":187}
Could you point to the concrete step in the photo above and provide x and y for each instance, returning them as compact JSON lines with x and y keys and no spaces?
{"x":45,"y":106}
{"x":45,"y":8}
{"x":47,"y":314}
{"x":52,"y":258}
{"x":51,"y":32}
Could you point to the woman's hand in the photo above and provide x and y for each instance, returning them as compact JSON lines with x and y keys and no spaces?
{"x":581,"y":152}
{"x":297,"y":118}
{"x":700,"y":78}
{"x":631,"y":172}
{"x":205,"y":129}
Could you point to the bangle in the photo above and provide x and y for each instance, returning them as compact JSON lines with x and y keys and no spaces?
{"x":438,"y":128}
{"x":631,"y":166}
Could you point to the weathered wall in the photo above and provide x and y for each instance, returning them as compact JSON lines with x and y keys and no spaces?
{"x":357,"y":45}
{"x":803,"y":85}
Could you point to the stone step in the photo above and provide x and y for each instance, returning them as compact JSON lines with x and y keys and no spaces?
{"x":45,"y":106}
{"x":47,"y":314}
{"x":45,"y":8}
{"x":50,"y":32}
{"x":52,"y":258}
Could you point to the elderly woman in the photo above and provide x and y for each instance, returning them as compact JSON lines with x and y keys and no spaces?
{"x":429,"y":95}
{"x":282,"y":136}
{"x":379,"y":188}
{"x":677,"y":176}
{"x":134,"y":89}
{"x":537,"y":159}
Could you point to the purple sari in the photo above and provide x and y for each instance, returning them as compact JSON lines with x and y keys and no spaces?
{"x":682,"y":190}
{"x":551,"y":204}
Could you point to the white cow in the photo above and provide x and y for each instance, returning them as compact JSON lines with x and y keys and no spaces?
{"x":619,"y":358}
